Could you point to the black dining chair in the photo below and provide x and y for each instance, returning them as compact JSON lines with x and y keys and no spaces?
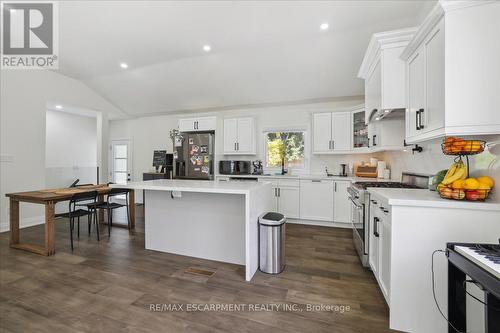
{"x":110,"y":206}
{"x":78,"y":200}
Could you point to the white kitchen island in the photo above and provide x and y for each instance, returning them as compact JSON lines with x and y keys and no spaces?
{"x":205,"y":219}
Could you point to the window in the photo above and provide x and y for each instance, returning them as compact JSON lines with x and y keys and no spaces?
{"x":287,"y":146}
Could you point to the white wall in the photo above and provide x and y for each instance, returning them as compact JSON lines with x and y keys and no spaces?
{"x":70,"y":149}
{"x":432,"y":160}
{"x":23,"y":103}
{"x":150,"y":133}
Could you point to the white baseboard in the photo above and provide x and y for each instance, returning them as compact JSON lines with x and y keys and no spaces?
{"x":321,"y":223}
{"x":24,"y":223}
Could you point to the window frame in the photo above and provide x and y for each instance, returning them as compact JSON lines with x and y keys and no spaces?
{"x":305,"y":129}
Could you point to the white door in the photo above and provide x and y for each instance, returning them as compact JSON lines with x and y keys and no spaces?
{"x":416,"y":92}
{"x":316,"y":200}
{"x":230,"y":135}
{"x":433,"y":115}
{"x":341,"y":131}
{"x":245,"y":136}
{"x":121,"y":161}
{"x":341,"y":203}
{"x":288,"y":198}
{"x":322,"y":132}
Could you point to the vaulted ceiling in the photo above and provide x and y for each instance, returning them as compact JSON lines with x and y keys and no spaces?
{"x":262,"y":51}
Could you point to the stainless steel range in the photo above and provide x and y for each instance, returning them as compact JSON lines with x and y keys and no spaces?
{"x":360,"y":207}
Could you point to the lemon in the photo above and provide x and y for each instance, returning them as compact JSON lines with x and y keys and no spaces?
{"x":486,"y":180}
{"x":458,"y":184}
{"x":471,"y":184}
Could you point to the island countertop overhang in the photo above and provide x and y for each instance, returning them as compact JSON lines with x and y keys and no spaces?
{"x":200,"y":186}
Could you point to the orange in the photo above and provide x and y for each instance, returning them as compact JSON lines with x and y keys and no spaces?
{"x":486,"y":180}
{"x":471,"y":184}
{"x":458,"y":184}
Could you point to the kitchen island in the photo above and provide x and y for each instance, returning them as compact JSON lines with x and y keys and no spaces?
{"x":205,"y":219}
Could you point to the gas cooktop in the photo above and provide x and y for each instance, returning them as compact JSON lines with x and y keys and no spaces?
{"x":364,"y":185}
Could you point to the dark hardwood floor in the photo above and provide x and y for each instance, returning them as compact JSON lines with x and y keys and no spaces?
{"x":109,"y":286}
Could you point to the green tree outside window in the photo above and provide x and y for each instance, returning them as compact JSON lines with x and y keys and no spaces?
{"x":287,"y":145}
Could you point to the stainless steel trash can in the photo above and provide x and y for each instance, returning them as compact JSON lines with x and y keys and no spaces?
{"x":272,"y":243}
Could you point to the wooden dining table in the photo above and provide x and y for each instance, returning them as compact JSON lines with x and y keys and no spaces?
{"x":49,"y":198}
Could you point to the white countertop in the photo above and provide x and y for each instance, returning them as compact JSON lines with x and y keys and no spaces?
{"x":426,"y":198}
{"x":189,"y":185}
{"x":310,"y":176}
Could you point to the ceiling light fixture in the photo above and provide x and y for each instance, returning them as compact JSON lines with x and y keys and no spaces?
{"x":324,"y":26}
{"x":207,"y":48}
{"x":59,"y":107}
{"x":123,"y":65}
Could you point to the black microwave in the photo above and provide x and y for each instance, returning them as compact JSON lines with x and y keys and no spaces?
{"x":232,"y":167}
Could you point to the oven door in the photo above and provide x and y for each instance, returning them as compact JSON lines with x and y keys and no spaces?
{"x":358,"y":223}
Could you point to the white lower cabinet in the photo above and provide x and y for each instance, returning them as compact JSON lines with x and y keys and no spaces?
{"x":341,"y":203}
{"x":289,"y":198}
{"x":384,"y":266}
{"x":285,"y":196}
{"x":379,"y":254}
{"x":316,"y":199}
{"x":373,"y":243}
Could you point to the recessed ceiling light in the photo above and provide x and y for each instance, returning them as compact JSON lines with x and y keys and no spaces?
{"x":387,"y":111}
{"x":207,"y":48}
{"x":378,"y":118}
{"x":324,"y":26}
{"x":123,"y":65}
{"x":59,"y":107}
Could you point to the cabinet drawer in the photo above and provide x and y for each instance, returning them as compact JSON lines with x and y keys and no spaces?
{"x":289,"y":182}
{"x":273,"y":181}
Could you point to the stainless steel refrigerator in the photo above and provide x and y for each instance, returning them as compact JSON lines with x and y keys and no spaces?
{"x":194,"y":155}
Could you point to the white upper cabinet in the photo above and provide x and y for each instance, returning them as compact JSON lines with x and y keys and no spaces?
{"x":384,"y":71}
{"x":322,"y":132}
{"x":332,"y":132}
{"x":239,"y":136}
{"x":452,"y":71}
{"x":385,"y":77}
{"x":341,"y":131}
{"x":197,"y":124}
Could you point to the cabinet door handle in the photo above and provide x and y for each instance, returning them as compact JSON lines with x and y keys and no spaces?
{"x":420,"y":113}
{"x":330,"y":144}
{"x":238,"y":146}
{"x":373,"y":201}
{"x":316,"y":181}
{"x":335,"y":187}
{"x":375,"y":226}
{"x":373,"y":140}
{"x":333,"y":144}
{"x":279,"y":192}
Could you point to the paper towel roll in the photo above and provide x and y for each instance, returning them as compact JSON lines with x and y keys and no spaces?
{"x":380,"y":169}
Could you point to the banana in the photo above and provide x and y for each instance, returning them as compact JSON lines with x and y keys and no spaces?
{"x":460,"y":172}
{"x":450,"y":173}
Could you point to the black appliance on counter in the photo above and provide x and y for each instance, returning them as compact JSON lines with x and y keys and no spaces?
{"x":232,"y":167}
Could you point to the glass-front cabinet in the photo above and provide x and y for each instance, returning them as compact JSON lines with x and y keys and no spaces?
{"x":359,"y":130}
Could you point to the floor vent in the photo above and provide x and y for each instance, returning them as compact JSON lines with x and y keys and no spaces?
{"x":199,"y":271}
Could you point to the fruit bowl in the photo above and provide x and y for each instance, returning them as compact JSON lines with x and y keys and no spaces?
{"x":461,"y":194}
{"x":458,"y":146}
